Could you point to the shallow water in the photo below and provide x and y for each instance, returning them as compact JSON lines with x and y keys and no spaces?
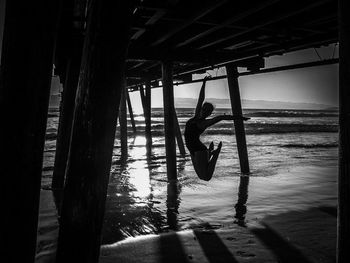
{"x":140,"y":201}
{"x":293,"y":164}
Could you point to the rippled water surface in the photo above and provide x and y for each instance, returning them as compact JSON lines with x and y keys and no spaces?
{"x":293,"y":159}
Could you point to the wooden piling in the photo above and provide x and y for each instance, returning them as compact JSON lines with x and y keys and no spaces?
{"x":147,"y":110}
{"x":142,"y":97}
{"x":25,"y":80}
{"x":172,"y":204}
{"x":179,"y":140}
{"x":146,"y":106}
{"x":66,"y":114}
{"x":235,"y":98}
{"x":169,"y":120}
{"x":94,"y":124}
{"x":343,"y":240}
{"x":240,"y":206}
{"x":131,"y":113}
{"x":123,"y":122}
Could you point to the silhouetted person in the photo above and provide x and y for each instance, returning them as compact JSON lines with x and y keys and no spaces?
{"x":204,"y":159}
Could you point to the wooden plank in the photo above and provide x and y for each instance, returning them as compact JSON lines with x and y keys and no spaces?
{"x":185,"y":55}
{"x":94,"y":125}
{"x":228,"y":22}
{"x":235,"y":98}
{"x":197,"y":15}
{"x":160,"y":12}
{"x":169,"y":124}
{"x":270,"y":20}
{"x":158,"y":15}
{"x":270,"y":50}
{"x":343,"y":240}
{"x":263,"y":71}
{"x":25,"y":76}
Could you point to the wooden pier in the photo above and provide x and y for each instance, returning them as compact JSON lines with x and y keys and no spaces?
{"x":102,"y":50}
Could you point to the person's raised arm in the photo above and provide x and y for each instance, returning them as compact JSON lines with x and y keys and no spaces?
{"x":201,"y":98}
{"x":209,"y":122}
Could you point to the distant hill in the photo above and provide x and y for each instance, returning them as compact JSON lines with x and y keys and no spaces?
{"x":254,"y":104}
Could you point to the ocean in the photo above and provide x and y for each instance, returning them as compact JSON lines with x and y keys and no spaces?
{"x":293,"y":157}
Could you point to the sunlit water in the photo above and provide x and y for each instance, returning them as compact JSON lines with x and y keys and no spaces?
{"x":293,"y":160}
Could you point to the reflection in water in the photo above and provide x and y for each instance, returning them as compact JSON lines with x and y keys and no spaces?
{"x":241,"y":208}
{"x":133,"y":207}
{"x":140,"y":180}
{"x":173,"y":202}
{"x":181,"y":166}
{"x":132,"y":143}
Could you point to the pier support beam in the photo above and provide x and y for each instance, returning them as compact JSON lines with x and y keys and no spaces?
{"x":147,"y":110}
{"x":94,"y":124}
{"x":123,"y":122}
{"x":25,"y":81}
{"x":131,"y":113}
{"x":241,"y":205}
{"x":146,"y":106}
{"x":235,"y":98}
{"x":142,"y":98}
{"x":66,"y":114}
{"x":169,"y":120}
{"x":343,"y":241}
{"x":179,"y":140}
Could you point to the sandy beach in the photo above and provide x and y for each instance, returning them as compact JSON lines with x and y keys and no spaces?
{"x":285,"y":211}
{"x":296,"y":236}
{"x":290,"y":228}
{"x":175,"y":131}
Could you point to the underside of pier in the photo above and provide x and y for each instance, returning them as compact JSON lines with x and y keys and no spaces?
{"x":101,"y":50}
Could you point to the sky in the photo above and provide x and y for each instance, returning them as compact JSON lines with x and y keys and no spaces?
{"x":308,"y":85}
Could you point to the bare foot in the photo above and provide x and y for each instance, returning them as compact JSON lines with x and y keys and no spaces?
{"x":219,"y":147}
{"x":211,"y":147}
{"x":217,"y":150}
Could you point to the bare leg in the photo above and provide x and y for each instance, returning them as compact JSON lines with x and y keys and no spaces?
{"x":212,"y":162}
{"x":211,"y":148}
{"x":200,"y":163}
{"x":204,"y":164}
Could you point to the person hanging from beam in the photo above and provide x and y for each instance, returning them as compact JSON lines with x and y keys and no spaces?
{"x":204,"y":159}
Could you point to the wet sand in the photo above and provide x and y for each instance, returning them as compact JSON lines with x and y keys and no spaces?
{"x":280,"y":226}
{"x":296,"y":236}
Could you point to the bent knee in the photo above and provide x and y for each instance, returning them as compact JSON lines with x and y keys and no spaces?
{"x":205,"y":176}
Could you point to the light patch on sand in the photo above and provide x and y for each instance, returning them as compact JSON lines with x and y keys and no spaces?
{"x":138,"y":170}
{"x":139,"y":178}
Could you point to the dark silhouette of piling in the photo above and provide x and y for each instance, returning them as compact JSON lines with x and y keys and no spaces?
{"x":26,"y":70}
{"x":147,"y":111}
{"x":94,"y":124}
{"x":235,"y":98}
{"x":131,"y":113}
{"x":145,"y":94}
{"x":66,"y":113}
{"x":343,"y":241}
{"x":123,"y":124}
{"x":179,"y":139}
{"x":169,"y":120}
